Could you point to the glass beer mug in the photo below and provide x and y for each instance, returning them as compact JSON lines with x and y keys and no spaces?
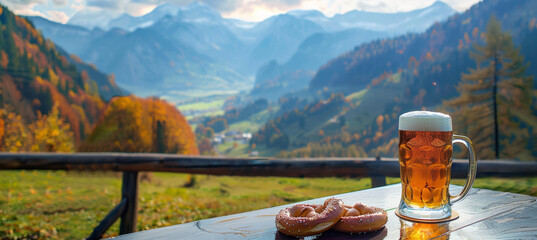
{"x":425,"y":155}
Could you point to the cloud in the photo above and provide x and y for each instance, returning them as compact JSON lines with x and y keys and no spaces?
{"x":223,"y":5}
{"x":107,"y":4}
{"x":60,"y":3}
{"x":227,"y":6}
{"x":77,"y":6}
{"x":57,"y":16}
{"x":254,"y":10}
{"x":24,"y":7}
{"x":372,"y":6}
{"x":24,"y":2}
{"x":138,"y":9}
{"x":28,"y":12}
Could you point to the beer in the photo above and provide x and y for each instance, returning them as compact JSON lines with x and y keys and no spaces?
{"x":425,"y":154}
{"x":425,"y":159}
{"x":415,"y":230}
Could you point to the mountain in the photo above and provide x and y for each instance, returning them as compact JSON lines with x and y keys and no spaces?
{"x":313,"y":52}
{"x":145,"y":61}
{"x":280,"y":38}
{"x":442,"y":44}
{"x":182,"y":51}
{"x":92,"y":18}
{"x":72,"y":38}
{"x":36,"y":77}
{"x":396,"y":23}
{"x":280,"y":83}
{"x":210,"y":38}
{"x":358,"y":96}
{"x":130,"y":23}
{"x":106,"y":82}
{"x":343,"y":32}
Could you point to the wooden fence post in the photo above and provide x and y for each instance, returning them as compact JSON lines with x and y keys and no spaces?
{"x":129,"y":191}
{"x":378,"y":180}
{"x":107,"y":222}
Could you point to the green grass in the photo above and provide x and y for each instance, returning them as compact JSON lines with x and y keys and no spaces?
{"x":527,"y":186}
{"x":245,"y":126}
{"x":254,"y":122}
{"x":251,"y":125}
{"x":60,"y":204}
{"x":215,"y":104}
{"x":227,"y":149}
{"x":206,"y":108}
{"x":54,"y":203}
{"x":357,"y":95}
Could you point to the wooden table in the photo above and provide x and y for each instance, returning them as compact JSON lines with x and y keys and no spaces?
{"x":484,"y":214}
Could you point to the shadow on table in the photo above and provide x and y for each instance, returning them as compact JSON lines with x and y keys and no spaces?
{"x":408,"y":230}
{"x":333,"y":235}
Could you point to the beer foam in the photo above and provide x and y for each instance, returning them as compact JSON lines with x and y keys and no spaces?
{"x":425,"y":121}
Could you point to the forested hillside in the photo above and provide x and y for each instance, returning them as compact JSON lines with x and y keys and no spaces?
{"x":385,"y":78}
{"x":438,"y":55}
{"x":36,"y":77}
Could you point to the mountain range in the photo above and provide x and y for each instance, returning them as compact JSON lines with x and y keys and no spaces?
{"x":183,"y":51}
{"x":384,"y":78}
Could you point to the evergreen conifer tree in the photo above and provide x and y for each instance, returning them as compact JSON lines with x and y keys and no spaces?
{"x":494,"y":96}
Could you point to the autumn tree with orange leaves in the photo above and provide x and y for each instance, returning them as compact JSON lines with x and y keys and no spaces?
{"x":49,"y":133}
{"x":132,"y":124}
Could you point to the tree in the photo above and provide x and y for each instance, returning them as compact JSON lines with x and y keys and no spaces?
{"x":133,"y":124}
{"x":15,"y":137}
{"x":493,"y":96}
{"x":51,"y":134}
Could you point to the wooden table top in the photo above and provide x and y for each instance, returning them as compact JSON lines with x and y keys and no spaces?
{"x":484,"y":214}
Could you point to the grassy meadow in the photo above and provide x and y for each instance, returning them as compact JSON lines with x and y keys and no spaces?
{"x":67,"y":205}
{"x":206,"y":107}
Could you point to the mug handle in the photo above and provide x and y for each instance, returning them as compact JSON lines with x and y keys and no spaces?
{"x":472,"y":167}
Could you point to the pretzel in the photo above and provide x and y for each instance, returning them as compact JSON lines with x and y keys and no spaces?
{"x":361,"y":218}
{"x":308,"y":219}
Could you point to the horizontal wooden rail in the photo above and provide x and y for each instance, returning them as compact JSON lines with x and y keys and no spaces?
{"x":132,"y":163}
{"x":302,"y":167}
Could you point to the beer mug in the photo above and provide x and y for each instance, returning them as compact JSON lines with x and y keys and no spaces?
{"x":425,"y":155}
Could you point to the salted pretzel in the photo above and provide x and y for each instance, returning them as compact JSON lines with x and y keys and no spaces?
{"x":361,"y":218}
{"x":309,"y":219}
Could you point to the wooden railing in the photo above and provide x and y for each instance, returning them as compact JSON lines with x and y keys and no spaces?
{"x":132,"y":163}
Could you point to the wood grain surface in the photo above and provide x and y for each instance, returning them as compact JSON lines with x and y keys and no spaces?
{"x":301,"y":167}
{"x":484,"y":214}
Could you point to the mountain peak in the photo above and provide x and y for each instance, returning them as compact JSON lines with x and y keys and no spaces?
{"x":306,"y":13}
{"x":199,"y":6}
{"x":440,"y":4}
{"x":198,"y":10}
{"x":92,"y":18}
{"x":196,"y":4}
{"x":166,"y":8}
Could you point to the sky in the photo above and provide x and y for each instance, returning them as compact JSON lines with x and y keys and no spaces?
{"x":248,"y":10}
